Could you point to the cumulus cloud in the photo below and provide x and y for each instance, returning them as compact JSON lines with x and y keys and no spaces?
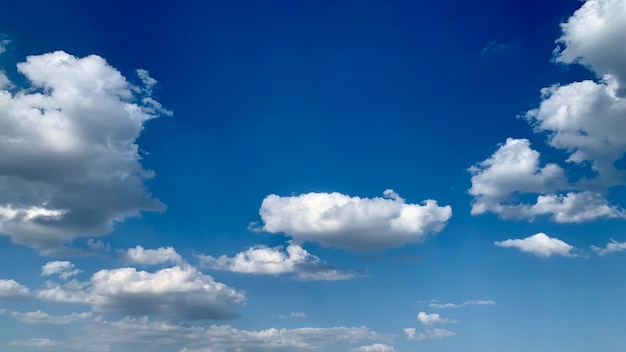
{"x":64,"y":269}
{"x":375,"y":347}
{"x":70,"y":164}
{"x":265,"y":260}
{"x":12,"y":289}
{"x":352,"y":223}
{"x":139,"y":255}
{"x":428,"y":322}
{"x":39,"y":317}
{"x":180,"y":292}
{"x":540,"y":245}
{"x":612,"y":246}
{"x":464,"y":304}
{"x":583,"y":119}
{"x":590,"y":36}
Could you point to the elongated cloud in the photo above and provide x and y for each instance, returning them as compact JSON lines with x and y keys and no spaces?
{"x":540,"y":245}
{"x":70,"y":166}
{"x":264,"y":260}
{"x":139,"y":255}
{"x":353,"y":223}
{"x":612,"y":246}
{"x":63,"y":269}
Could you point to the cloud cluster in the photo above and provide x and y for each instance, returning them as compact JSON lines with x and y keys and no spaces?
{"x":430,"y":330}
{"x":540,"y":245}
{"x":70,"y":165}
{"x":40,"y":317}
{"x":13,"y":289}
{"x":583,"y":119}
{"x":352,"y":223}
{"x":180,"y":292}
{"x":278,"y":260}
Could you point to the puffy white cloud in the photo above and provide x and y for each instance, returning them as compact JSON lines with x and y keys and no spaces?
{"x":64,"y":269}
{"x":464,"y":304}
{"x":70,"y":164}
{"x":353,"y":223}
{"x":139,"y":255}
{"x":612,"y":246}
{"x":34,"y":342}
{"x":592,"y":37}
{"x":375,"y":347}
{"x":431,"y":319}
{"x":39,"y":317}
{"x":179,"y":292}
{"x":12,"y":289}
{"x":586,"y":119}
{"x":540,"y":245}
{"x":434,"y":334}
{"x":265,"y":260}
{"x":513,"y":170}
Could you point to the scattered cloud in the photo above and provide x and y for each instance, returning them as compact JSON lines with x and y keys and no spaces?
{"x":428,"y":322}
{"x":139,"y":255}
{"x":188,"y":338}
{"x":297,"y":315}
{"x":12,"y":289}
{"x":352,"y":223}
{"x":70,"y":165}
{"x":540,"y":245}
{"x":63,"y":269}
{"x":375,"y":347}
{"x":180,"y":292}
{"x":612,"y":246}
{"x":294,"y":259}
{"x":4,"y":42}
{"x":459,"y":305}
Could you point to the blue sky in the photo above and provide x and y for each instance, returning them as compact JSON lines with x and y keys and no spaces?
{"x":289,"y":176}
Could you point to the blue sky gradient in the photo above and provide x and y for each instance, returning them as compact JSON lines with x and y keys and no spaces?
{"x":334,"y":176}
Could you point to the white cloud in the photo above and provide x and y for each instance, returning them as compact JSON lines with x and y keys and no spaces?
{"x":179,"y":292}
{"x":464,"y":304}
{"x":434,"y":334}
{"x":353,"y":223}
{"x":297,"y":315}
{"x":410,"y":333}
{"x":70,"y":165}
{"x":612,"y":246}
{"x":540,"y":245}
{"x":64,"y":269}
{"x":593,"y":37}
{"x":431,"y":319}
{"x":12,"y":289}
{"x":513,"y":170}
{"x":34,"y":342}
{"x":139,"y":255}
{"x":39,"y":317}
{"x":265,"y":260}
{"x":3,"y":44}
{"x":375,"y":347}
{"x":188,"y":338}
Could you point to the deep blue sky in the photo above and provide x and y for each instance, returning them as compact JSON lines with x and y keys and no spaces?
{"x":298,"y":98}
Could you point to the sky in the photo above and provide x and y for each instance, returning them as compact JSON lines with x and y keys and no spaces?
{"x":342,"y":176}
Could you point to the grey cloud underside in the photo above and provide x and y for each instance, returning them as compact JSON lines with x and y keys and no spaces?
{"x":70,"y":166}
